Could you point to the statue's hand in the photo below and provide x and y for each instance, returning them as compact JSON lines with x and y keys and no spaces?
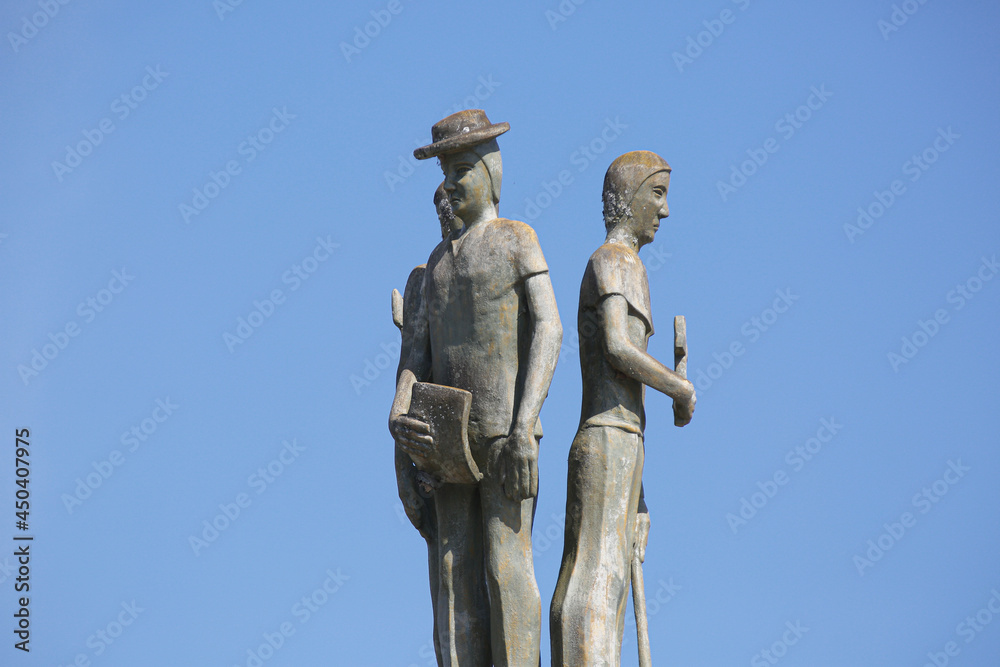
{"x":641,"y":534}
{"x":684,"y":407}
{"x":413,"y":435}
{"x":519,"y":466}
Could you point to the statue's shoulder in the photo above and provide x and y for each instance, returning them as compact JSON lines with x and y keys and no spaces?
{"x":515,"y":229}
{"x":616,"y":260}
{"x":617,"y":269}
{"x":522,"y":244}
{"x":414,"y":281}
{"x":434,"y":257}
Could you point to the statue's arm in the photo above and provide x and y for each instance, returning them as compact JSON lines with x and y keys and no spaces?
{"x":543,"y":352}
{"x":519,"y":460}
{"x":412,"y":435}
{"x":405,"y":308}
{"x":629,"y":359}
{"x":406,"y":485}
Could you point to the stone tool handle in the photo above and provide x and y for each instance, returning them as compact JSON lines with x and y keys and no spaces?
{"x":639,"y":606}
{"x":680,"y":354}
{"x":397,"y":309}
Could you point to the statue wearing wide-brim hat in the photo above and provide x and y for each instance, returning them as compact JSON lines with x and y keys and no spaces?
{"x":460,"y":131}
{"x":465,"y":337}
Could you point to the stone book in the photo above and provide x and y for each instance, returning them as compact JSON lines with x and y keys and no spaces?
{"x":446,"y":410}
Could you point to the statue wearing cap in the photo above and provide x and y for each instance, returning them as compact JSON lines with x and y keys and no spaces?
{"x":606,"y":519}
{"x":487,"y":324}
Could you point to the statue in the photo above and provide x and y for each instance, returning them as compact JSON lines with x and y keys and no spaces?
{"x":487,"y":324}
{"x":418,"y":503}
{"x":607,"y":523}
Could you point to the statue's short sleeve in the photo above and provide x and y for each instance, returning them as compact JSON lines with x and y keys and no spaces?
{"x":618,"y":270}
{"x":530,"y":260}
{"x":615,"y":271}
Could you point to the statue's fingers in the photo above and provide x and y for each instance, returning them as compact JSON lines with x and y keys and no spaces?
{"x":526,"y":480}
{"x":412,"y":448}
{"x":510,"y":484}
{"x":514,"y":482}
{"x":515,"y":488}
{"x":503,"y":473}
{"x":421,"y":438}
{"x":415,"y":448}
{"x":415,"y":424}
{"x":533,"y":477}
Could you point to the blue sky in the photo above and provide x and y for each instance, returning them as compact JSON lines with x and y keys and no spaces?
{"x":206,"y":206}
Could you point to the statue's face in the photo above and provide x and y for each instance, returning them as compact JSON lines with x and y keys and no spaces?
{"x":650,"y":206}
{"x":467,"y":183}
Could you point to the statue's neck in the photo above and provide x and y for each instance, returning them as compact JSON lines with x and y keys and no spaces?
{"x":623,"y":236}
{"x":487,"y":214}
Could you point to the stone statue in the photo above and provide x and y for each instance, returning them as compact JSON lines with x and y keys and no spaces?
{"x":487,"y":324}
{"x":606,"y":518}
{"x":418,"y":503}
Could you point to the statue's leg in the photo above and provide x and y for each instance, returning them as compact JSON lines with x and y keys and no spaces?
{"x":515,"y":605}
{"x":433,"y":570}
{"x":629,"y":543}
{"x":463,"y":622}
{"x":590,"y":597}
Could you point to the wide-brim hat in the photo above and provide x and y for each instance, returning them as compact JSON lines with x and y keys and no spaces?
{"x":460,"y":131}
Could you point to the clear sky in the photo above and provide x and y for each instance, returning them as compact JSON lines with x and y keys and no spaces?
{"x":205,"y":206}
